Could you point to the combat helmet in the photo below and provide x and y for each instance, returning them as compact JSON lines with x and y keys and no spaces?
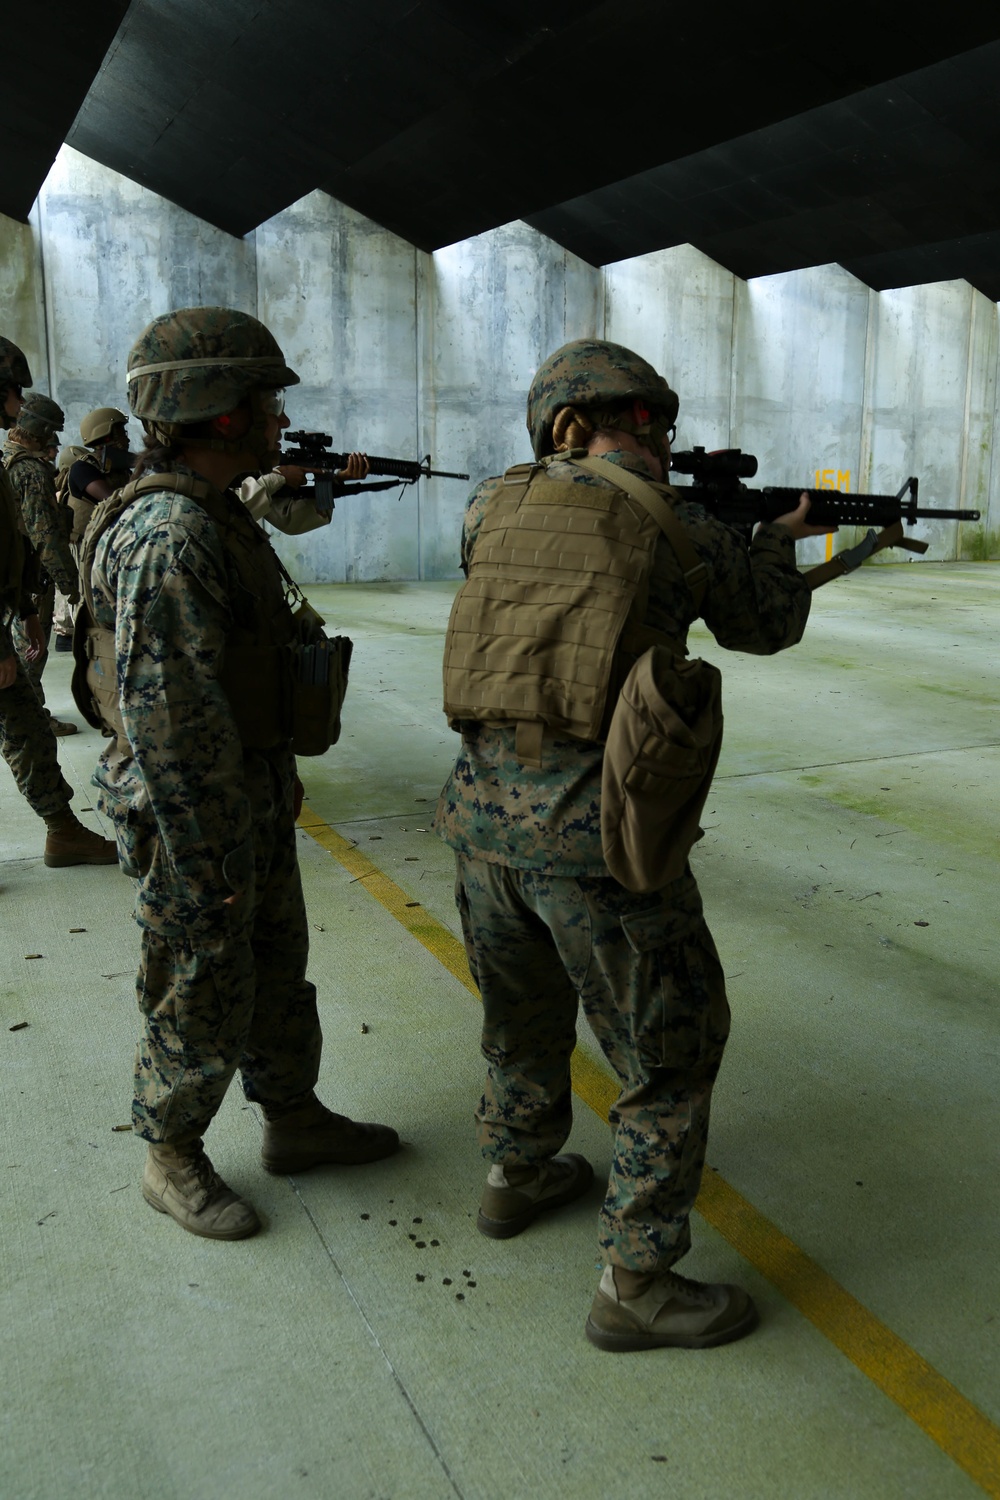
{"x":198,"y":363}
{"x":13,"y":371}
{"x":98,"y":425}
{"x":593,"y":374}
{"x":71,"y":454}
{"x":41,"y":418}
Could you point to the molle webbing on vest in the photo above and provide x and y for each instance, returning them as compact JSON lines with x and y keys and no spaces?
{"x":557,"y":583}
{"x":80,"y":512}
{"x":655,"y":502}
{"x":254,"y":669}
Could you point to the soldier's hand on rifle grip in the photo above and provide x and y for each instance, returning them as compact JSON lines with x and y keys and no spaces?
{"x":357,"y":467}
{"x":293,"y":475}
{"x":795,"y":521}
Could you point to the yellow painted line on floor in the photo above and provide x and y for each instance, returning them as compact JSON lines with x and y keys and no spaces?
{"x":445,"y":947}
{"x":958,"y":1427}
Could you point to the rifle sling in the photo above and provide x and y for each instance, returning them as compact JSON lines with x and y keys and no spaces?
{"x":852,"y":557}
{"x":656,"y":504}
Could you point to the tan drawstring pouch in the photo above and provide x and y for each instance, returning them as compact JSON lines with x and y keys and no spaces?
{"x":661,"y":753}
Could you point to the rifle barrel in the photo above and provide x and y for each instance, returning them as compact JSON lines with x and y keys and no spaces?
{"x":947,"y":515}
{"x":835,"y":507}
{"x":407,"y":469}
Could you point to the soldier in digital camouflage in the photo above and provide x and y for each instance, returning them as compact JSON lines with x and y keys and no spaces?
{"x":44,"y":524}
{"x":187,"y":669}
{"x":546,"y":926}
{"x":26,"y":738}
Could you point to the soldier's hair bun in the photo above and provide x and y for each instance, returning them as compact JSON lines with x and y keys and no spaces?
{"x":571,"y":428}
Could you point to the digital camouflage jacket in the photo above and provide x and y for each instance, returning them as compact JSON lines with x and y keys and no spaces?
{"x":161,"y":583}
{"x":44,"y":520}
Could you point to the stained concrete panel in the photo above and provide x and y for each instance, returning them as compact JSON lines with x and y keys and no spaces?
{"x":919,"y":398}
{"x":22,"y":304}
{"x":404,"y":353}
{"x":491,"y":309}
{"x":675,"y":308}
{"x":339,"y":292}
{"x":115,"y":256}
{"x":981,"y":476}
{"x":798,"y":380}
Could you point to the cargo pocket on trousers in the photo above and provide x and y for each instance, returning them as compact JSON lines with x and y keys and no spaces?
{"x":679,"y":1014}
{"x":462,"y":902}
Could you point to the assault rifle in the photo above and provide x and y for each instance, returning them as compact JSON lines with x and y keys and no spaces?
{"x":311,"y":450}
{"x":717,"y":484}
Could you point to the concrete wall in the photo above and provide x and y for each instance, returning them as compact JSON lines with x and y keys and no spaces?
{"x":405,"y":353}
{"x":677,"y":308}
{"x":340,"y":295}
{"x":114,"y":255}
{"x":490,"y":310}
{"x":22,"y":296}
{"x":928,"y":397}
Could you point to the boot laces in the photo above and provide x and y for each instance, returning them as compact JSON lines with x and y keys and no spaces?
{"x":199,"y":1167}
{"x":697,"y":1293}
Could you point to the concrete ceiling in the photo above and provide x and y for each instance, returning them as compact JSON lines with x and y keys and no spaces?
{"x":769,"y":137}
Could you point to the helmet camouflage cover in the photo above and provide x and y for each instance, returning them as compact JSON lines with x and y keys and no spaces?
{"x":97,"y":425}
{"x":591,"y":373}
{"x":200,"y":362}
{"x":13,"y":365}
{"x":41,"y":417}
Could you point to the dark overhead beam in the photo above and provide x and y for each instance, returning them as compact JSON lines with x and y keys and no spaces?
{"x":443,"y":118}
{"x":52,"y":51}
{"x":637,"y":85}
{"x":236,"y":111}
{"x":975,"y":259}
{"x":900,"y":166}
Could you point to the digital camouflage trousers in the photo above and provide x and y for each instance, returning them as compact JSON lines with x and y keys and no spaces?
{"x":45,"y":604}
{"x":648,"y":976}
{"x":29,"y":748}
{"x":240,"y":1000}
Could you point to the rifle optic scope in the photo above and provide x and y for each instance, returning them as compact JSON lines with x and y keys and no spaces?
{"x":725,"y":463}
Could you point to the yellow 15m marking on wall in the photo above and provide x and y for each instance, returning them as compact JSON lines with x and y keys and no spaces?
{"x":832,"y":479}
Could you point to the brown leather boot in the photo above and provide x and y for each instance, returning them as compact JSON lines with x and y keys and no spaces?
{"x":514,"y":1196}
{"x":313,"y":1135}
{"x":67,"y":842}
{"x":666,"y":1311}
{"x":179,"y":1180}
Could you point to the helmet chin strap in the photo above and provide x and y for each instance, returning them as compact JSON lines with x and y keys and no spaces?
{"x":254,"y":440}
{"x":653,"y":429}
{"x":656,"y":434}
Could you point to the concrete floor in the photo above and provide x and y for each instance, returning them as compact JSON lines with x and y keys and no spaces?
{"x":370,"y":1343}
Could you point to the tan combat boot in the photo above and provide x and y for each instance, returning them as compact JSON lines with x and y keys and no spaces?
{"x":666,"y":1311}
{"x":514,"y":1196}
{"x":179,"y":1180}
{"x":67,"y":842}
{"x":313,"y":1135}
